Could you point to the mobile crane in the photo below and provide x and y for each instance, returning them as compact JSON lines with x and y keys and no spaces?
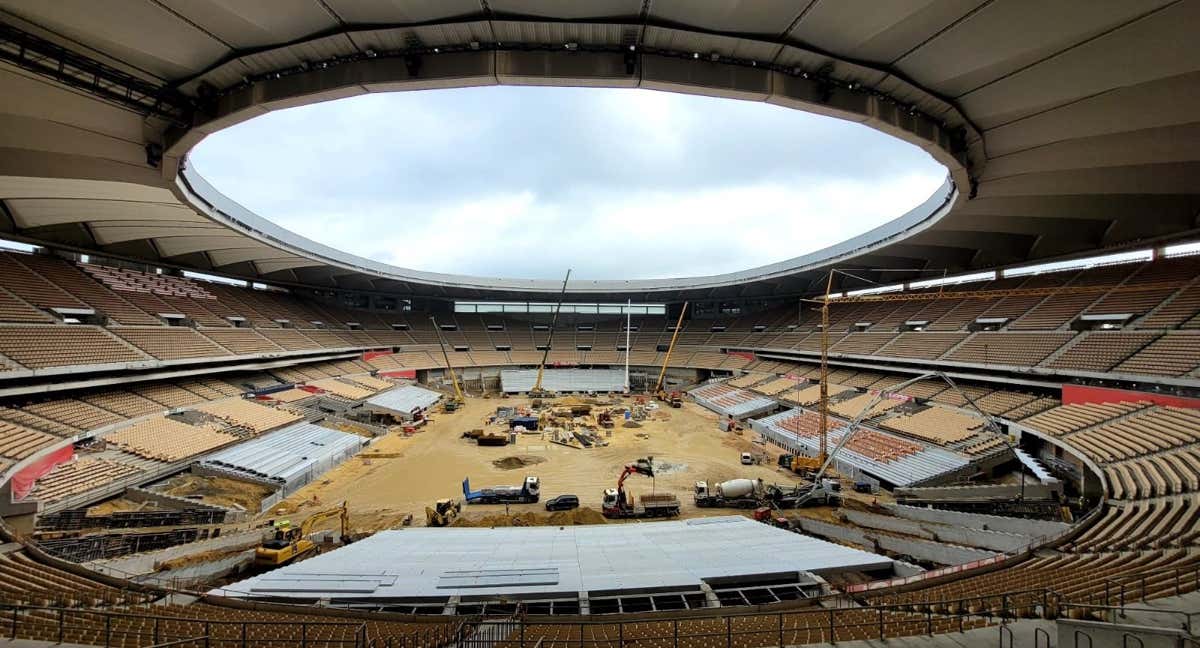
{"x":674,"y":398}
{"x":538,"y":391}
{"x":292,"y":543}
{"x":459,"y":399}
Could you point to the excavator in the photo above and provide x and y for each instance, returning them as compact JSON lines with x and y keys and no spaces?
{"x":292,"y":543}
{"x":459,"y":399}
{"x":443,"y":513}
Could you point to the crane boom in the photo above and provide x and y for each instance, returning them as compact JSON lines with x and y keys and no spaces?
{"x":458,"y":392}
{"x":670,"y":349}
{"x":537,"y":386}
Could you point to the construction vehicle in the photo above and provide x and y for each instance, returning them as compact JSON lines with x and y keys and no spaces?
{"x":292,"y":543}
{"x":644,"y":466}
{"x":673,"y":398}
{"x":537,"y":391}
{"x":734,"y":493}
{"x":827,"y":493}
{"x":800,"y":464}
{"x":526,"y":493}
{"x":659,"y":392}
{"x":619,"y":504}
{"x":452,"y":405}
{"x":443,"y":513}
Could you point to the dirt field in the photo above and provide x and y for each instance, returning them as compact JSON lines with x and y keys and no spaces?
{"x":413,"y":472}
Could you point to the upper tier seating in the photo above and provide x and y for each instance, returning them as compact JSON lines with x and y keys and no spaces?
{"x":32,"y":287}
{"x":71,"y":279}
{"x":38,"y":347}
{"x":1019,"y":349}
{"x":171,"y":343}
{"x":14,"y":309}
{"x":1174,"y":354}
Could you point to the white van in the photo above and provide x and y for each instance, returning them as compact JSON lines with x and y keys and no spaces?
{"x":747,"y":459}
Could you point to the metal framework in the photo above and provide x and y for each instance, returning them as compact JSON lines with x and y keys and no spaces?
{"x":53,"y":61}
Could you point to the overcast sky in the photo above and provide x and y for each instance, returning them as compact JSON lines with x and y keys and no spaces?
{"x":526,"y":182}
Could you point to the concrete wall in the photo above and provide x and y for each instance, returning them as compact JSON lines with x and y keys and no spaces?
{"x":934,"y":552}
{"x":179,"y":503}
{"x":980,"y":521}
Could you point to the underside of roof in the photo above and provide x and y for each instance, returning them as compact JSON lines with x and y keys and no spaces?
{"x":1066,"y":130}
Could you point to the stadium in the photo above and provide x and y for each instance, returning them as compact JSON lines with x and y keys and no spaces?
{"x":977,"y":423}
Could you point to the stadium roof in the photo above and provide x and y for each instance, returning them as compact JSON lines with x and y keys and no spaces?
{"x":1064,"y":130}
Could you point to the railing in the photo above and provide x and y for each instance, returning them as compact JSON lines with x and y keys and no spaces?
{"x":106,"y":628}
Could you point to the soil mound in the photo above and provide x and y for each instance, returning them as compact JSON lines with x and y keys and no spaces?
{"x":520,"y":461}
{"x":582,"y":515}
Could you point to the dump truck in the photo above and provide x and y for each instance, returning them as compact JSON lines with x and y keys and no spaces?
{"x":527,"y":493}
{"x":734,"y":493}
{"x":619,"y":504}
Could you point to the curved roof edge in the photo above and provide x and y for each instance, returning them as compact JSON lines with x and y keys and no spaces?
{"x":197,"y":192}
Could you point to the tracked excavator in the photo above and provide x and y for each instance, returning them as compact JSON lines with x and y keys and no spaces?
{"x":292,"y":543}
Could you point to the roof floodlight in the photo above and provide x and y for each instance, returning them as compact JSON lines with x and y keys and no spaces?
{"x":571,"y":46}
{"x":370,"y":53}
{"x":714,"y":57}
{"x":474,"y":45}
{"x":695,"y":55}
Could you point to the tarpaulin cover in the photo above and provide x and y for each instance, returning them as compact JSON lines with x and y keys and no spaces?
{"x":22,"y":482}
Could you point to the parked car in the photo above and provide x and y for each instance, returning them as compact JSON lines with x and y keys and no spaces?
{"x":562,"y":503}
{"x":747,"y":459}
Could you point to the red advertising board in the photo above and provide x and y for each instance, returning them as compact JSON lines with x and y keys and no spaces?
{"x":1072,"y":394}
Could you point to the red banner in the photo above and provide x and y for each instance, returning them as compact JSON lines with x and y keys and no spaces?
{"x":411,"y":374}
{"x":22,"y":482}
{"x":749,"y":355}
{"x":903,"y":398}
{"x":367,"y":355}
{"x":1072,"y":394}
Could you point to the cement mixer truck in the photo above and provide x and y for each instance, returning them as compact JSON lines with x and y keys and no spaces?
{"x":735,"y":493}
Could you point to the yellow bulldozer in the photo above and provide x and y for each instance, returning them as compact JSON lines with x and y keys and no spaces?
{"x":443,"y":513}
{"x":291,"y":542}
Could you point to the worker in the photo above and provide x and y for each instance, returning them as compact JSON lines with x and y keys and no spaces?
{"x":730,"y":425}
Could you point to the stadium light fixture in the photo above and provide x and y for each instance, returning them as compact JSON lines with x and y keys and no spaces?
{"x":371,"y":53}
{"x":474,"y":45}
{"x":571,"y":47}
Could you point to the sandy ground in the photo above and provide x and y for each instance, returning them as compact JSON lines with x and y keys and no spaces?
{"x":218,"y":491}
{"x":417,"y":470}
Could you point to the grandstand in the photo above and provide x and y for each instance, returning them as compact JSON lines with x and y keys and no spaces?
{"x":1030,"y":333}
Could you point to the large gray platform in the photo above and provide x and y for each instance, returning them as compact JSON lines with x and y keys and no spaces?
{"x":432,"y":565}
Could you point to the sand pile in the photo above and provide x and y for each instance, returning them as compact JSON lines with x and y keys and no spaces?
{"x":582,"y":515}
{"x":520,"y":461}
{"x":219,"y":491}
{"x":631,"y":424}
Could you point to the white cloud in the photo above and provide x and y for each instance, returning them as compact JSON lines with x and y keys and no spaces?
{"x":523,"y":182}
